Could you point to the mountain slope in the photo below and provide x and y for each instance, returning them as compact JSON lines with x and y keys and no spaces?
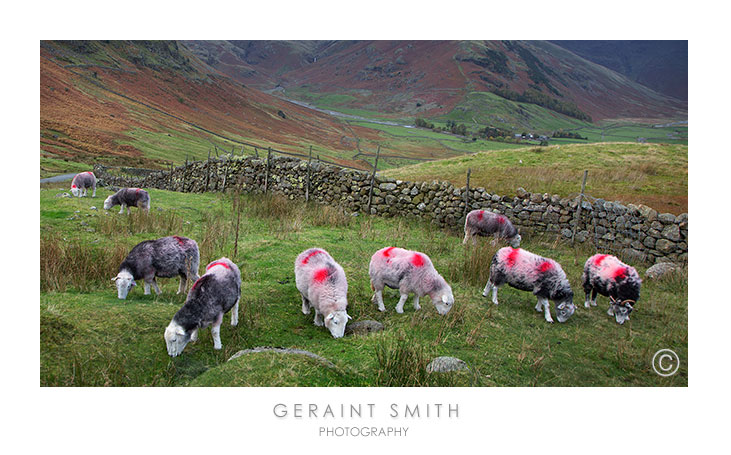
{"x":154,"y":102}
{"x":430,"y":78}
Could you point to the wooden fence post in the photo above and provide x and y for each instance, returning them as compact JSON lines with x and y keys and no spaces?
{"x":185,"y":173}
{"x":373,"y":179}
{"x":467,"y":193}
{"x":208,"y":169}
{"x":307,"y":189}
{"x":266,"y":175}
{"x":171,"y":177}
{"x":225,"y":175}
{"x":578,"y":207}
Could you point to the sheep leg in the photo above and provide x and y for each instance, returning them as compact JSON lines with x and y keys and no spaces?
{"x":235,"y":313}
{"x":547,"y":310}
{"x":94,"y":193}
{"x":128,"y":210}
{"x":610,"y":311}
{"x":587,"y":300}
{"x":305,"y":305}
{"x":121,"y":209}
{"x":416,"y":302}
{"x":147,"y":287}
{"x":183,"y":284}
{"x":194,"y":335}
{"x":466,"y":237}
{"x":539,"y":306}
{"x":593,"y":297}
{"x":155,"y":287}
{"x":400,"y":304}
{"x":216,"y":332}
{"x":379,"y":300}
{"x":319,"y":320}
{"x":488,"y":287}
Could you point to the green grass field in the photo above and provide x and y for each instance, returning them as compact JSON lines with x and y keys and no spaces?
{"x":653,"y":174}
{"x":90,"y":338}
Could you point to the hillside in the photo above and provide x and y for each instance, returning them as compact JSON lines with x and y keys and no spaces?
{"x":660,"y":65}
{"x":652,"y":174}
{"x":151,"y":103}
{"x":431,"y":78}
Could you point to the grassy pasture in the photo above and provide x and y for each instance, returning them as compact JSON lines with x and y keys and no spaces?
{"x":90,"y":338}
{"x":653,"y":174}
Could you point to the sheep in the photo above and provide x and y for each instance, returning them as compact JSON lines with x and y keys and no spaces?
{"x":322,"y":285}
{"x":526,"y":271}
{"x":606,"y":275}
{"x":408,"y":271}
{"x":129,"y":197}
{"x":81,"y":182}
{"x":484,"y":223}
{"x":164,"y":257}
{"x":212,"y":296}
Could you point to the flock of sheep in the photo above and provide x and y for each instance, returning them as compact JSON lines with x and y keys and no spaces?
{"x":323,"y":285}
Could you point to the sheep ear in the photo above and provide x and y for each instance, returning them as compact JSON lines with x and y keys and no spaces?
{"x":330,"y":316}
{"x":115,"y":278}
{"x":444,"y":298}
{"x":134,"y":283}
{"x":348,"y":316}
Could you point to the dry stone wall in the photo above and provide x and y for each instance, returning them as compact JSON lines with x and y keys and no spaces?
{"x":634,"y":232}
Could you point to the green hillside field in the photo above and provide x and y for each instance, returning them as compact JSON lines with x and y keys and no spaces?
{"x":90,"y":338}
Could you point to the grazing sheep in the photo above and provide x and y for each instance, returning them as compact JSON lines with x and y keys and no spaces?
{"x":408,"y":271}
{"x":484,"y":223}
{"x":129,"y":197}
{"x":323,"y":286}
{"x":212,"y":296}
{"x":526,"y":271}
{"x":606,"y":275}
{"x":165,"y":257}
{"x":83,"y":181}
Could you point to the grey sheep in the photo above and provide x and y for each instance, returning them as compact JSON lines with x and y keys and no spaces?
{"x":606,"y":275}
{"x":485,"y":224}
{"x":165,"y":257}
{"x":212,"y":296}
{"x":82,"y":182}
{"x":129,"y":197}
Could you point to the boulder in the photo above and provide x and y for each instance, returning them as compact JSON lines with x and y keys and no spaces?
{"x":445,"y":364}
{"x":363,"y":327}
{"x":661,"y":269}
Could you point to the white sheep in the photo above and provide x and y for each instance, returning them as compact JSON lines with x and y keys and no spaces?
{"x":322,"y":285}
{"x":408,"y":271}
{"x":606,"y":275}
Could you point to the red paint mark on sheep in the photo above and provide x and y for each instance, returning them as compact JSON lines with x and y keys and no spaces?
{"x":501,"y":219}
{"x":180,"y":240}
{"x":598,"y":259}
{"x":480,"y":214}
{"x":619,"y":273}
{"x":320,"y":275}
{"x":512,"y":257}
{"x":73,"y":186}
{"x":387,"y":251}
{"x":545,"y":266}
{"x":307,"y":258}
{"x":210,"y":266}
{"x":417,"y":260}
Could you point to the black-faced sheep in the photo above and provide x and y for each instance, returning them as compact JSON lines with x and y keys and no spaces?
{"x":408,"y":271}
{"x":322,"y":285}
{"x":82,"y":182}
{"x":165,"y":257}
{"x":486,"y":224}
{"x":606,"y":275}
{"x":212,"y":296}
{"x":129,"y":197}
{"x":526,"y":271}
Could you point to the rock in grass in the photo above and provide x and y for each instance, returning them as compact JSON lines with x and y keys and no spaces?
{"x":283,"y":351}
{"x":363,"y":327}
{"x":444,"y":364}
{"x":661,"y":269}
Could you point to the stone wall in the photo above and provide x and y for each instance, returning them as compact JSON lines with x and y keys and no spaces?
{"x":634,"y":232}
